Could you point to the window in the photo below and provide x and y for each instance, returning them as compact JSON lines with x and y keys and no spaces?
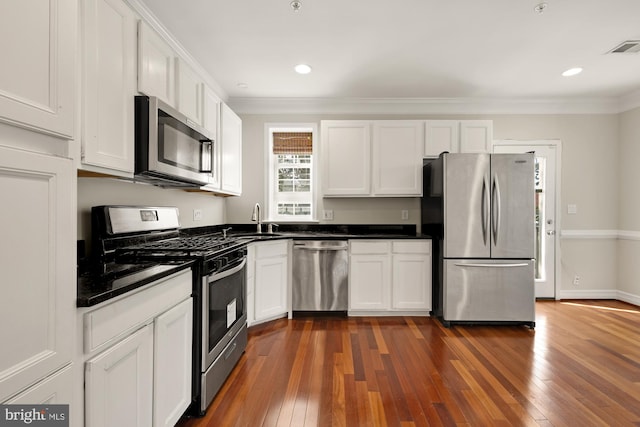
{"x":291,"y":165}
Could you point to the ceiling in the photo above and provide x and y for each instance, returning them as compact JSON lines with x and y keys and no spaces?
{"x":410,"y":49}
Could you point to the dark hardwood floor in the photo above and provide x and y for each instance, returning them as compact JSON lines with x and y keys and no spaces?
{"x":579,"y":367}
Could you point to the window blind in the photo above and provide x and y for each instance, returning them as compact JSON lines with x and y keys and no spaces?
{"x":292,"y":143}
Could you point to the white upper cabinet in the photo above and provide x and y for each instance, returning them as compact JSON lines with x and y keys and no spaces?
{"x":397,"y":157}
{"x":231,"y":151}
{"x":156,"y":65}
{"x":346,"y":158}
{"x":211,"y":123}
{"x":476,"y":136}
{"x":38,"y":304}
{"x":190,"y":96}
{"x":372,"y":158}
{"x":38,"y":72}
{"x":458,"y":136}
{"x":441,"y":135}
{"x":109,"y":72}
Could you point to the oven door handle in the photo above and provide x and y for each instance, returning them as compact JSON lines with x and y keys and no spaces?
{"x":225,"y":273}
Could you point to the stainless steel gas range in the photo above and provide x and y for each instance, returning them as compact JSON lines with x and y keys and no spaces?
{"x":133,"y":235}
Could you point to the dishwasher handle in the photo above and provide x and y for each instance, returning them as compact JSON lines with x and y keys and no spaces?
{"x":311,"y":247}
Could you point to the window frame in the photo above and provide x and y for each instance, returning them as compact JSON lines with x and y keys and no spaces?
{"x":271,"y":166}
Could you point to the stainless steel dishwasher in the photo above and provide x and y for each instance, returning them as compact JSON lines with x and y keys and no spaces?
{"x":320,"y":271}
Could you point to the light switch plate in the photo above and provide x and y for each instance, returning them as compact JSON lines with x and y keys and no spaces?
{"x":404,"y":214}
{"x":572,"y":209}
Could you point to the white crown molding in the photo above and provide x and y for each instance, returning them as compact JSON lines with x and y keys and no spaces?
{"x":180,"y":50}
{"x":630,"y":101}
{"x":424,"y":105}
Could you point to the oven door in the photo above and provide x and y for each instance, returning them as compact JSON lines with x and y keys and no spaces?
{"x":224,"y":310}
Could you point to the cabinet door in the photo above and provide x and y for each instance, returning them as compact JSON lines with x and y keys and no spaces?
{"x":37,"y":76}
{"x":397,"y":157}
{"x":369,"y":282}
{"x":156,"y":65}
{"x":211,"y":121}
{"x":476,"y":136}
{"x":410,"y":287}
{"x":119,"y":383}
{"x":56,"y":389}
{"x":190,"y":95}
{"x":109,"y":84}
{"x":270,"y":287}
{"x":231,"y":158}
{"x":441,"y":135}
{"x":173,"y":344}
{"x":37,"y":307}
{"x":346,"y":158}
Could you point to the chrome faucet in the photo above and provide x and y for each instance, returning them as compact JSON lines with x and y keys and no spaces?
{"x":255,"y":216}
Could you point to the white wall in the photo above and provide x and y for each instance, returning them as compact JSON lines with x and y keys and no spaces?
{"x":589,"y":180}
{"x":629,"y":213}
{"x":106,"y":191}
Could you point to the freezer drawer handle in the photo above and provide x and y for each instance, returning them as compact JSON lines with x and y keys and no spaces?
{"x":524,"y":264}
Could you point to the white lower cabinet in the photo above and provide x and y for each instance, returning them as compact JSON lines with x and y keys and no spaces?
{"x":411,"y":289}
{"x":55,"y":389}
{"x":119,"y":381}
{"x":389,"y":276}
{"x":139,"y":356}
{"x":172,"y":364}
{"x":369,"y":275}
{"x":270,"y":280}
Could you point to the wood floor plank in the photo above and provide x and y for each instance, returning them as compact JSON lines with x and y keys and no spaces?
{"x":580,"y":366}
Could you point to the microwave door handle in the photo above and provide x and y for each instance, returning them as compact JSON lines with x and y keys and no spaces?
{"x":206,"y":155}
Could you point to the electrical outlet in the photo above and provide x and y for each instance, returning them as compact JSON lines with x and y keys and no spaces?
{"x":576,"y":280}
{"x":404,"y":214}
{"x":197,"y":214}
{"x":572,"y":209}
{"x":327,"y":215}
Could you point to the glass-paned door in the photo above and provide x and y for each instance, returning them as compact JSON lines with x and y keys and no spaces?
{"x":545,"y":211}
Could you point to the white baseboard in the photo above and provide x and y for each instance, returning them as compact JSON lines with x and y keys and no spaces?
{"x":589,"y":294}
{"x":630,"y":298}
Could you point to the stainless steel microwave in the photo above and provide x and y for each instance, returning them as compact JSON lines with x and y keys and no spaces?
{"x":170,"y":149}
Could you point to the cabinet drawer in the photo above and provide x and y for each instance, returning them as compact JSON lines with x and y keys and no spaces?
{"x":412,"y":247}
{"x":271,"y":249}
{"x":369,"y":247}
{"x":113,"y":321}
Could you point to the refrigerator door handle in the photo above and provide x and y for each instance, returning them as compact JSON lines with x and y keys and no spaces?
{"x":485,"y":210}
{"x":495,"y":208}
{"x":523,"y":264}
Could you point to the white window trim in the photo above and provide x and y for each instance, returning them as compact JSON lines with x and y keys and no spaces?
{"x":269,"y":128}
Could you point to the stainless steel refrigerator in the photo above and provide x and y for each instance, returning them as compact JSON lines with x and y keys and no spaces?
{"x":479,"y":209}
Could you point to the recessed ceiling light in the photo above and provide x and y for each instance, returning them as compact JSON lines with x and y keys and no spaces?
{"x":572,"y":72}
{"x":302,"y":69}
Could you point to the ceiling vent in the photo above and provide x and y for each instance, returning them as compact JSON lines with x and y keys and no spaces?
{"x":630,"y":46}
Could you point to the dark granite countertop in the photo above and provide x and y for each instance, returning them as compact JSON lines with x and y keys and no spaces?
{"x":94,"y":286}
{"x":316,"y":231}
